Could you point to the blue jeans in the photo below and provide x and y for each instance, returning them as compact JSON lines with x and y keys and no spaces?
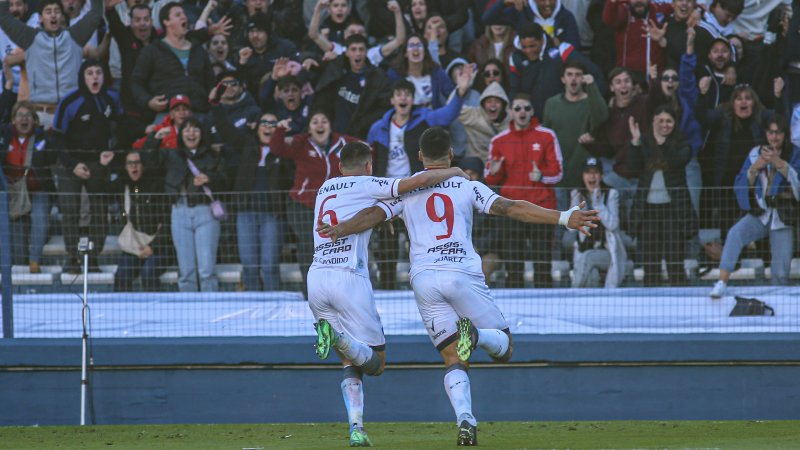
{"x":195,"y":233}
{"x":259,"y":239}
{"x":749,"y":229}
{"x":129,"y":266}
{"x":38,"y":223}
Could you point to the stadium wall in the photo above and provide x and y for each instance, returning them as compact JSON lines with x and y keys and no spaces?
{"x":257,"y":380}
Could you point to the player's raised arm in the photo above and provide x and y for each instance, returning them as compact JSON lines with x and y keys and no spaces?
{"x":524,"y":211}
{"x":363,"y":220}
{"x":429,"y":178}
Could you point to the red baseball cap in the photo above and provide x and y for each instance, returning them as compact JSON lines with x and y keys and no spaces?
{"x":180,"y":99}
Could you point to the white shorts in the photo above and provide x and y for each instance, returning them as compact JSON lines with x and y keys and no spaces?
{"x":345,"y":300}
{"x":444,"y":296}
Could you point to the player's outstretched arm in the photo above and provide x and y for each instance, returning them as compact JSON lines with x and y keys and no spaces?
{"x":363,"y":220}
{"x":525,"y":211}
{"x":429,"y":178}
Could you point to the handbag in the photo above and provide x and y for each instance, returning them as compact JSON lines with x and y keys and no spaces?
{"x":130,"y":239}
{"x":217,"y":207}
{"x":751,"y":307}
{"x":19,"y":198}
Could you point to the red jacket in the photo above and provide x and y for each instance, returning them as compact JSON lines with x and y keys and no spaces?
{"x":171,"y":141}
{"x":312,"y":166}
{"x":519,"y":149}
{"x":629,"y":34}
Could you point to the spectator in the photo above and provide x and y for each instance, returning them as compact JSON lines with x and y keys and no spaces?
{"x":604,"y":249}
{"x":356,"y":91}
{"x":492,"y":70}
{"x":334,"y":26}
{"x":436,"y":34}
{"x":283,"y":94}
{"x":316,"y":158}
{"x":53,"y":54}
{"x":667,"y":219}
{"x":433,"y":86}
{"x":525,"y":161}
{"x":241,"y":111}
{"x":195,"y":231}
{"x":483,"y":122}
{"x":717,"y":23}
{"x":765,"y":180}
{"x":145,"y":208}
{"x":718,"y":73}
{"x":257,"y":59}
{"x":219,"y":50}
{"x":417,"y":12}
{"x":395,"y":141}
{"x":640,"y":30}
{"x":18,"y":9}
{"x":171,"y":66}
{"x":82,"y":135}
{"x":558,"y":22}
{"x":603,"y":51}
{"x":262,"y":180}
{"x":684,"y":16}
{"x":240,"y":14}
{"x":497,"y":42}
{"x":180,"y":109}
{"x":20,"y":140}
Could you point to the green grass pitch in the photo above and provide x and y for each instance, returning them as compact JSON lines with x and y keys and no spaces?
{"x":765,"y":435}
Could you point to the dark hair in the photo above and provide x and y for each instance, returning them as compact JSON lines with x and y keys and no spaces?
{"x":617,"y":71}
{"x":435,"y":143}
{"x":572,"y":64}
{"x":531,"y":30}
{"x":428,"y":64}
{"x":403,"y":85}
{"x":355,"y":39}
{"x":758,"y":107}
{"x":140,"y":6}
{"x":666,"y":109}
{"x":163,"y":13}
{"x":47,"y":3}
{"x":355,"y":154}
{"x":289,"y":80}
{"x":480,"y":81}
{"x":523,"y":96}
{"x":734,"y":7}
{"x":192,"y":122}
{"x":780,"y":122}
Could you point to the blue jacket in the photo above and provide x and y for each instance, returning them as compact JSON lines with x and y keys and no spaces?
{"x":421,"y":119}
{"x":687,"y":96}
{"x":565,"y":27}
{"x":746,"y":196}
{"x":441,"y":84}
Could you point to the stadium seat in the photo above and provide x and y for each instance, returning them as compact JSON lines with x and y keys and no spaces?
{"x":290,"y":273}
{"x":794,"y":270}
{"x":54,"y":247}
{"x":21,"y":276}
{"x":169,"y":277}
{"x":229,"y":273}
{"x":402,"y":271}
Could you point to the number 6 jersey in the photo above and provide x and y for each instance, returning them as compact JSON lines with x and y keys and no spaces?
{"x":339,"y":199}
{"x":439,"y":222}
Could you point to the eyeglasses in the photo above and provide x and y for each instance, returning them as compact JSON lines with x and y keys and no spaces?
{"x":775,"y":132}
{"x":666,"y":78}
{"x":133,"y":163}
{"x":23,"y":115}
{"x":491,"y":73}
{"x":414,"y":45}
{"x":268,"y":123}
{"x":527,"y":108}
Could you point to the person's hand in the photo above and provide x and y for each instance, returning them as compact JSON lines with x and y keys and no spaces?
{"x":110,"y":4}
{"x":244,"y":55}
{"x":200,"y":179}
{"x":212,"y":95}
{"x":464,"y":79}
{"x":777,"y":87}
{"x":328,"y":231}
{"x":704,"y":85}
{"x":690,"y":34}
{"x":587,"y":79}
{"x":158,"y":103}
{"x":653,"y":73}
{"x":281,"y":68}
{"x":656,"y":33}
{"x":495,"y":165}
{"x":636,"y":134}
{"x":586,"y":138}
{"x":535,"y":175}
{"x":322,"y":4}
{"x":81,"y":171}
{"x":461,"y":173}
{"x":393,"y":6}
{"x":730,"y":76}
{"x":694,"y":19}
{"x":146,"y":252}
{"x":149,"y":129}
{"x":330,"y":55}
{"x":581,"y":220}
{"x":286,"y":124}
{"x":309,"y":63}
{"x":163,"y":132}
{"x":223,"y":27}
{"x":431,"y":35}
{"x":106,"y":157}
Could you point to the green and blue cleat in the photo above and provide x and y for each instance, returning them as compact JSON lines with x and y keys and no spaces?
{"x":467,"y":338}
{"x":326,"y":337}
{"x":358,"y":437}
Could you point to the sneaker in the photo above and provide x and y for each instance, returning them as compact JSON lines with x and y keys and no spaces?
{"x":326,"y":337}
{"x":719,"y":289}
{"x":359,"y":438}
{"x":467,"y":434}
{"x":467,"y":338}
{"x":34,"y":267}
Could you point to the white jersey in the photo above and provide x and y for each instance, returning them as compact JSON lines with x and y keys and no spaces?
{"x":439,"y":222}
{"x":339,"y":199}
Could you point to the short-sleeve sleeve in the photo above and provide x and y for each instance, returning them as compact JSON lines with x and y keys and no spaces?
{"x":380,"y":188}
{"x":482,"y":197}
{"x":392,"y":207}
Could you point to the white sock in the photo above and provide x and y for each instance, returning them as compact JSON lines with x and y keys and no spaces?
{"x":456,"y":384}
{"x":352,"y":349}
{"x":494,"y":341}
{"x":353,"y":394}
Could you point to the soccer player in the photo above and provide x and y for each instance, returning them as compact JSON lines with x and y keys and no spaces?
{"x":456,"y":307}
{"x":339,"y":290}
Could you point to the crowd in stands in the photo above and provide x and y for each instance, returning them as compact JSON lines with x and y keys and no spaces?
{"x":209,"y":124}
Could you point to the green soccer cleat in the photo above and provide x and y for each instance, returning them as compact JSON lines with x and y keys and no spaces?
{"x":467,"y":338}
{"x":359,"y":438}
{"x":326,"y":337}
{"x":467,"y":434}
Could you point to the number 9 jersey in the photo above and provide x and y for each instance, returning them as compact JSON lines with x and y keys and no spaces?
{"x":439,"y":223}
